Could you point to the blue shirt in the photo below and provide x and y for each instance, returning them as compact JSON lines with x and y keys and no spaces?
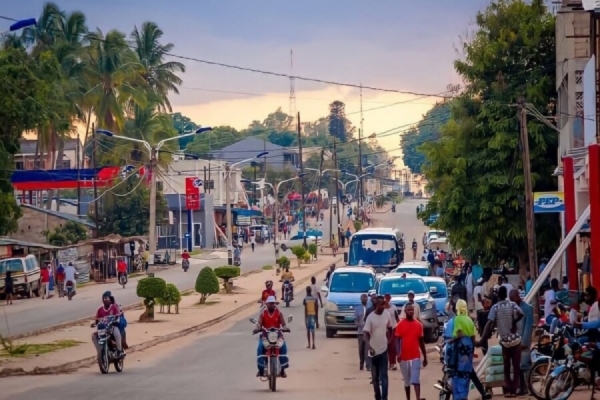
{"x":528,"y":285}
{"x":476,"y":272}
{"x":449,"y":330}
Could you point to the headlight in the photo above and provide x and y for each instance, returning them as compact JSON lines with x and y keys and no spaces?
{"x":330,"y":306}
{"x":429,"y":305}
{"x":272,"y":337}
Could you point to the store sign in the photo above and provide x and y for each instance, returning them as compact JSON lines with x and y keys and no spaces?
{"x":548,"y":202}
{"x":192,"y":193}
{"x":243,"y":220}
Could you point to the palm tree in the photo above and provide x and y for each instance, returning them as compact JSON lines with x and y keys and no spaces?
{"x":158,"y":73}
{"x":114,"y":75}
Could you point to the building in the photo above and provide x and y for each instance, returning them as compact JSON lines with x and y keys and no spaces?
{"x":25,"y":159}
{"x":36,"y":221}
{"x":308,"y":152}
{"x":279,"y":157}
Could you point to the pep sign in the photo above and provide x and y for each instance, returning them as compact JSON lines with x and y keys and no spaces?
{"x":548,"y":202}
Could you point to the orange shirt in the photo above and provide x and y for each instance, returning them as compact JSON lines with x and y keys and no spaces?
{"x":410,"y":333}
{"x":121,"y":266}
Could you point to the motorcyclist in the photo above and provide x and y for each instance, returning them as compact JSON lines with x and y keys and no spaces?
{"x":237,"y":253}
{"x":122,"y":324}
{"x":108,"y":309}
{"x":268,"y":292}
{"x":270,"y":318}
{"x":60,"y":279}
{"x":121,"y":269}
{"x":185,"y":256}
{"x":287,"y":277}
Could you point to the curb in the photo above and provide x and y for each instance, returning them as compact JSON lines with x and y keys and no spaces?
{"x":80,"y":321}
{"x":89,"y":361}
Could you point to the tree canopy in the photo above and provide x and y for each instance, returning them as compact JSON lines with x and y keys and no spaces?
{"x":475,"y":169}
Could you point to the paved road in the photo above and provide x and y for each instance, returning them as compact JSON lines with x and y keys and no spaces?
{"x":222,"y":365}
{"x":29,"y":315}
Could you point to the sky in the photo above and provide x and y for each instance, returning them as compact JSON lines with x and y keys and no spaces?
{"x":402,"y":45}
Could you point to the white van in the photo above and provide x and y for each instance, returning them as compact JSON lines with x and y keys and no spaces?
{"x":25,"y":273}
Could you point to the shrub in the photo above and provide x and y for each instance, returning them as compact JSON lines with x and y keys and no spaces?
{"x":299,"y":252}
{"x":150,"y":289}
{"x":206,"y":283}
{"x":305,"y":258}
{"x":312,"y":249}
{"x":283,"y":262}
{"x":226,"y":273}
{"x":170,"y":297}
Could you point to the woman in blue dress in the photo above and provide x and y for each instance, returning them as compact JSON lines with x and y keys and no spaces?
{"x":461,"y":365}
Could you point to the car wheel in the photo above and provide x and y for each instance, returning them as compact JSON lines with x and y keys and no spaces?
{"x":329,"y":333}
{"x":432,"y":335}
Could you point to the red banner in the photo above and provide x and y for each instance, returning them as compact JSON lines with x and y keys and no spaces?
{"x":192,"y":193}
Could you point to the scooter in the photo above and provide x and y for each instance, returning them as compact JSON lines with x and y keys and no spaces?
{"x":70,"y":289}
{"x":237,"y":262}
{"x":185,"y":264}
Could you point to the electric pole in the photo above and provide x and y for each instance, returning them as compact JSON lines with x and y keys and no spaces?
{"x":529,"y":216}
{"x":319,"y":190}
{"x":302,"y":182}
{"x":94,"y":148}
{"x":152,"y":230}
{"x":228,"y":216}
{"x":337,"y":189}
{"x":78,"y":148}
{"x":359,"y":183}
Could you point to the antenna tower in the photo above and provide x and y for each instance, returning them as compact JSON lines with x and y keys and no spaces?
{"x":292,"y":109}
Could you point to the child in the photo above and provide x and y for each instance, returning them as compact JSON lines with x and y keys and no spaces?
{"x":310,"y":315}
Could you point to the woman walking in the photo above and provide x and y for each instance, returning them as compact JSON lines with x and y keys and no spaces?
{"x":8,"y":287}
{"x":463,"y":345}
{"x":334,"y":245}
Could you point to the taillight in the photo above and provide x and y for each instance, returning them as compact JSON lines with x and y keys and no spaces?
{"x":25,"y":276}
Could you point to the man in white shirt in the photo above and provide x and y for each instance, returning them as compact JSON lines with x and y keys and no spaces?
{"x":375,"y":333}
{"x":478,"y":295}
{"x":550,"y":297}
{"x":411,"y":300}
{"x":502,"y":281}
{"x":71,"y":275}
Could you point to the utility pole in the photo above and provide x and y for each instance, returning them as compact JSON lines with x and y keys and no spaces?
{"x":228,"y":216}
{"x":529,"y":216}
{"x":152,"y":230}
{"x":78,"y":149}
{"x":304,"y":244}
{"x":359,"y":183}
{"x":94,"y":148}
{"x":337,"y":189}
{"x":319,"y":190}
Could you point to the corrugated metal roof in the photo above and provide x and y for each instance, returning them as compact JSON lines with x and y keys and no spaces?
{"x":58,"y":214}
{"x":12,"y":242}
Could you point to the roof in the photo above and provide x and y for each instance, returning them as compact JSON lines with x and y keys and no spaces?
{"x":61,"y":215}
{"x":377,"y":231}
{"x":364,"y":270}
{"x":412,"y":264}
{"x":433,"y":279}
{"x":12,"y":242}
{"x":400,"y":276}
{"x":28,"y":146}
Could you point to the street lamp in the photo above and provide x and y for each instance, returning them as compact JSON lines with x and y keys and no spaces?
{"x":18,"y":25}
{"x":228,"y":219}
{"x":152,"y":151}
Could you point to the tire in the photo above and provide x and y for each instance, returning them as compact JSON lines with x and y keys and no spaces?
{"x":29,"y":291}
{"x":432,"y":335}
{"x":569,"y":376}
{"x":538,"y":371}
{"x":36,"y":291}
{"x":330,"y":333}
{"x":119,"y":365}
{"x":103,"y":361}
{"x":287,"y":301}
{"x":273,"y":372}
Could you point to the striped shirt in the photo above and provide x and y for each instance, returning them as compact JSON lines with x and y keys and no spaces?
{"x":504,"y":313}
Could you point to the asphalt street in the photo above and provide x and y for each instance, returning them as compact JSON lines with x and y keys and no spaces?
{"x":222,"y":364}
{"x":29,"y":315}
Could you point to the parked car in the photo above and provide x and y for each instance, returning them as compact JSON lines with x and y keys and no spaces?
{"x":414,"y":267}
{"x":26,"y":275}
{"x":439,"y":291}
{"x":398,"y":286}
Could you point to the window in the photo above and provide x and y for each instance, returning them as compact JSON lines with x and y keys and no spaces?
{"x":209,"y":184}
{"x":30,"y":264}
{"x":402,"y":286}
{"x":19,"y":165}
{"x":421,"y":271}
{"x":352,"y":282}
{"x":12,"y":264}
{"x":373,"y":250}
{"x":441,"y":290}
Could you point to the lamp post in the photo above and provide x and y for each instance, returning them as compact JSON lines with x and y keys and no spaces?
{"x":18,"y":25}
{"x":153,"y":152}
{"x":228,"y":219}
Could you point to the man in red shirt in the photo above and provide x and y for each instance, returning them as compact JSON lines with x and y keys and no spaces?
{"x":410,"y":333}
{"x":268,"y":292}
{"x":271,"y":318}
{"x":108,"y":308}
{"x":45,"y":279}
{"x":121,"y":269}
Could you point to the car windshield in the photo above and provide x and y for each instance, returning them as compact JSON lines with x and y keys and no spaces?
{"x":373,"y":250}
{"x":14,"y":265}
{"x":401,"y":286}
{"x":442,"y":290}
{"x":352,"y":282}
{"x":422,"y":271}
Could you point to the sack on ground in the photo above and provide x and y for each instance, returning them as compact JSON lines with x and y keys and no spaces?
{"x":496,"y":350}
{"x":494,"y":370}
{"x":494,"y":378}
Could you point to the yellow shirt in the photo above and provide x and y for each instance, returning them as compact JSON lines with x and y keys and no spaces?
{"x":310,"y":303}
{"x":146,"y":255}
{"x":287,"y":276}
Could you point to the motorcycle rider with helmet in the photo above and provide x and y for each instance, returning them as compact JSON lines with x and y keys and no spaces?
{"x":287,"y":277}
{"x":271,"y":318}
{"x":108,"y":308}
{"x":268,"y":292}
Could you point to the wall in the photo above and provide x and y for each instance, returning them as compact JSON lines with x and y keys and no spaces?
{"x":33,"y":223}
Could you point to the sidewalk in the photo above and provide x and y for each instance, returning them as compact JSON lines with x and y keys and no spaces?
{"x":75,"y":349}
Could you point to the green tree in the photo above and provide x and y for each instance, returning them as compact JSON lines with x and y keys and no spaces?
{"x":206,"y":283}
{"x":339,"y":126}
{"x":183,"y":124}
{"x":474,"y":169}
{"x":227,"y":273}
{"x":218,"y":138}
{"x":170,"y":297}
{"x":69,"y":233}
{"x":126,"y":209}
{"x":150,"y":289}
{"x":427,"y":130}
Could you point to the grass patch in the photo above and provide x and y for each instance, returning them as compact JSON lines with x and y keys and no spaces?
{"x":207,"y":303}
{"x":267,"y":267}
{"x":25,"y":350}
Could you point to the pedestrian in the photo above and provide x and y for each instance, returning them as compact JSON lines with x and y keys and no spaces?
{"x":414,"y":249}
{"x":375,"y":334}
{"x":316,"y":293}
{"x":550,"y":297}
{"x":253,"y":241}
{"x":360,"y":315}
{"x":146,"y":258}
{"x":463,"y":348}
{"x":310,"y":315}
{"x":9,"y":284}
{"x":504,"y":315}
{"x":524,"y":328}
{"x":391,"y":309}
{"x":334,"y":245}
{"x":411,"y":302}
{"x":410,"y":334}
{"x":469,"y":283}
{"x":45,"y":280}
{"x":565,"y":283}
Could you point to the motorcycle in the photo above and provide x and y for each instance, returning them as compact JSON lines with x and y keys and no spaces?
{"x":272,"y":341}
{"x":185,"y":264}
{"x":287,"y":293}
{"x":70,"y":289}
{"x":107,"y":352}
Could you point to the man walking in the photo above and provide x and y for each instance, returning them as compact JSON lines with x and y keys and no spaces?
{"x":310,"y":315}
{"x":360,"y":315}
{"x":375,"y":334}
{"x":253,"y":241}
{"x":524,"y":328}
{"x":410,"y":333}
